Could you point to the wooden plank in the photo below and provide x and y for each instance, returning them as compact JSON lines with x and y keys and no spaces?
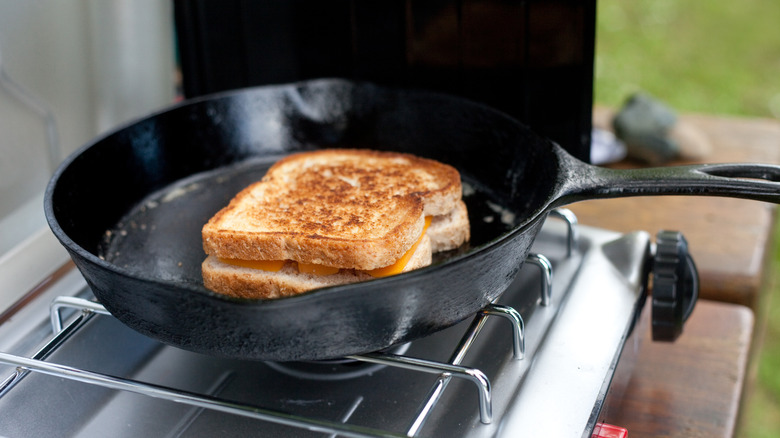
{"x":691,"y":387}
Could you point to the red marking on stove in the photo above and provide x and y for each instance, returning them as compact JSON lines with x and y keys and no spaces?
{"x":603,"y":430}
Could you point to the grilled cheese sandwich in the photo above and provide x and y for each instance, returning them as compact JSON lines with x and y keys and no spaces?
{"x":333,"y":216}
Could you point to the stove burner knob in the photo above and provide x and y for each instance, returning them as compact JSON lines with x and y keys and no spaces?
{"x":675,"y":285}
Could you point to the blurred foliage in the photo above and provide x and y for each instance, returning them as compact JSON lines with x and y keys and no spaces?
{"x":761,"y":417}
{"x":706,"y":56}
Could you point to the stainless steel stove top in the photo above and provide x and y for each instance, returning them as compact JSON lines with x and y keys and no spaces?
{"x":534,"y":366}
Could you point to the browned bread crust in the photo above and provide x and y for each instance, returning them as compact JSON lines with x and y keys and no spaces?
{"x":382,"y":174}
{"x":344,"y":208}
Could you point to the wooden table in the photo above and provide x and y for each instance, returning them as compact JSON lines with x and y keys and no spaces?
{"x":694,"y":387}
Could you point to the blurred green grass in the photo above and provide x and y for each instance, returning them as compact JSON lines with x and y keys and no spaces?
{"x":708,"y":56}
{"x":761,"y":416}
{"x":713,"y":57}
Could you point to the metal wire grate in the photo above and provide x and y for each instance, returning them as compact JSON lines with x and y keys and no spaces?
{"x":86,"y":309}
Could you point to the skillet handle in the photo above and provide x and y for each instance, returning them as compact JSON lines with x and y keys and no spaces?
{"x":581,"y":181}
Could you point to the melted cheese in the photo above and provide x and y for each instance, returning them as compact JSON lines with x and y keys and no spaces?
{"x":309,"y":268}
{"x":398,"y":267}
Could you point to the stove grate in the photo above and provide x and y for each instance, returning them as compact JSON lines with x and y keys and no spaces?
{"x":90,"y":309}
{"x":87,"y":309}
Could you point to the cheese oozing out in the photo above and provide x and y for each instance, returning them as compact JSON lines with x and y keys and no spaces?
{"x":307,"y":268}
{"x":398,"y":266}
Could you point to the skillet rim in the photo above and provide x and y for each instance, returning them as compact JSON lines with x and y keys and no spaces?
{"x":315,"y":294}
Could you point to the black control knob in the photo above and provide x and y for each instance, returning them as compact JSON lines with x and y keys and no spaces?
{"x":675,"y":285}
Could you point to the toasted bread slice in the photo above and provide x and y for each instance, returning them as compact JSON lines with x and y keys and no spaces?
{"x":355,"y":209}
{"x":365,"y":235}
{"x":245,"y":282}
{"x":451,"y":230}
{"x":381,"y":174}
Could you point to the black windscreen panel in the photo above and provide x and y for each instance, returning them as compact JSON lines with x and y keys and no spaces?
{"x":530,"y":59}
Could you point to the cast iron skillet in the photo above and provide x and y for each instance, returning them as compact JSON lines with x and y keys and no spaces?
{"x":129,"y":208}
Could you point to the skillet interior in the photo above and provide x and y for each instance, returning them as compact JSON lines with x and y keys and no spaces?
{"x":130,"y":206}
